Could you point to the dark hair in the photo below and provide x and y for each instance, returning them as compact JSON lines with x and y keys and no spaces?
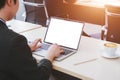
{"x":2,"y":3}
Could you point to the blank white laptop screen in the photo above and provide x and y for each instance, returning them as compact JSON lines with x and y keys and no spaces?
{"x":63,"y":32}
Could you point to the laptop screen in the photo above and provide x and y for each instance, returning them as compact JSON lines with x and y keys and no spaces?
{"x":64,"y":32}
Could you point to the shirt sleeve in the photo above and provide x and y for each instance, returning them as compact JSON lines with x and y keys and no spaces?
{"x":23,"y":66}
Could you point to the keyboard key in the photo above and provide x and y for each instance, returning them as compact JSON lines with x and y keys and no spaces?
{"x":66,"y":51}
{"x":45,"y":46}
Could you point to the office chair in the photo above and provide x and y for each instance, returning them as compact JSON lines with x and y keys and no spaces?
{"x":35,"y":8}
{"x":112,"y":22}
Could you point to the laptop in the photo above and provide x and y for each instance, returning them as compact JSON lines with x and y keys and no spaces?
{"x":64,"y":32}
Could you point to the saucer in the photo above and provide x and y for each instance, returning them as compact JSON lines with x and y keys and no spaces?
{"x":104,"y":54}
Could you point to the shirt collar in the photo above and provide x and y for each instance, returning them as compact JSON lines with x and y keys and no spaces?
{"x":2,"y":20}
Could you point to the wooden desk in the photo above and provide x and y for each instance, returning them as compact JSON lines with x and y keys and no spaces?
{"x":99,"y":69}
{"x":21,"y":26}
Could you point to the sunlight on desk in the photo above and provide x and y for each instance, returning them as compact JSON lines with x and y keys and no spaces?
{"x":95,"y":3}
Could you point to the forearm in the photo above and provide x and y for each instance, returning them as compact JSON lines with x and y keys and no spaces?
{"x":45,"y":67}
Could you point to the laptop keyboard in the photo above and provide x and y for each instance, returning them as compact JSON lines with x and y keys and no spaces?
{"x":66,"y":51}
{"x":46,"y":46}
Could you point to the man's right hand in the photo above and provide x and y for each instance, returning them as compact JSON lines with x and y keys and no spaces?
{"x":53,"y":51}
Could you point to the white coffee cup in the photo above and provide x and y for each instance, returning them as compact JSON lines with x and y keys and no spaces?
{"x":110,"y":48}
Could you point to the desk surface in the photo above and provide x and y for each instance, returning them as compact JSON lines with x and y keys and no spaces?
{"x":99,"y":69}
{"x":95,"y":3}
{"x":20,"y":26}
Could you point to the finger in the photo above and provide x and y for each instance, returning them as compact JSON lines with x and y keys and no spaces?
{"x":60,"y":48}
{"x":40,"y":40}
{"x":55,"y":44}
{"x":38,"y":46}
{"x":61,"y":51}
{"x":37,"y":41}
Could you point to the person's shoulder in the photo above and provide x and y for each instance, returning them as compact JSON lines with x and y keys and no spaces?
{"x":19,"y":38}
{"x":13,"y":36}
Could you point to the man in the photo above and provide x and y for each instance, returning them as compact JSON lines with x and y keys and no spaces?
{"x":16,"y":61}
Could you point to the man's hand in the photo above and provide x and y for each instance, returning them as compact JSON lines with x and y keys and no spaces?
{"x":53,"y":51}
{"x":34,"y":45}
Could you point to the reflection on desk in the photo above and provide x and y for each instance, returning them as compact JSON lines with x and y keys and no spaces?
{"x":99,"y":69}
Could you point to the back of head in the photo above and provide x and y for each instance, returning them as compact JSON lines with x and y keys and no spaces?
{"x":2,"y":3}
